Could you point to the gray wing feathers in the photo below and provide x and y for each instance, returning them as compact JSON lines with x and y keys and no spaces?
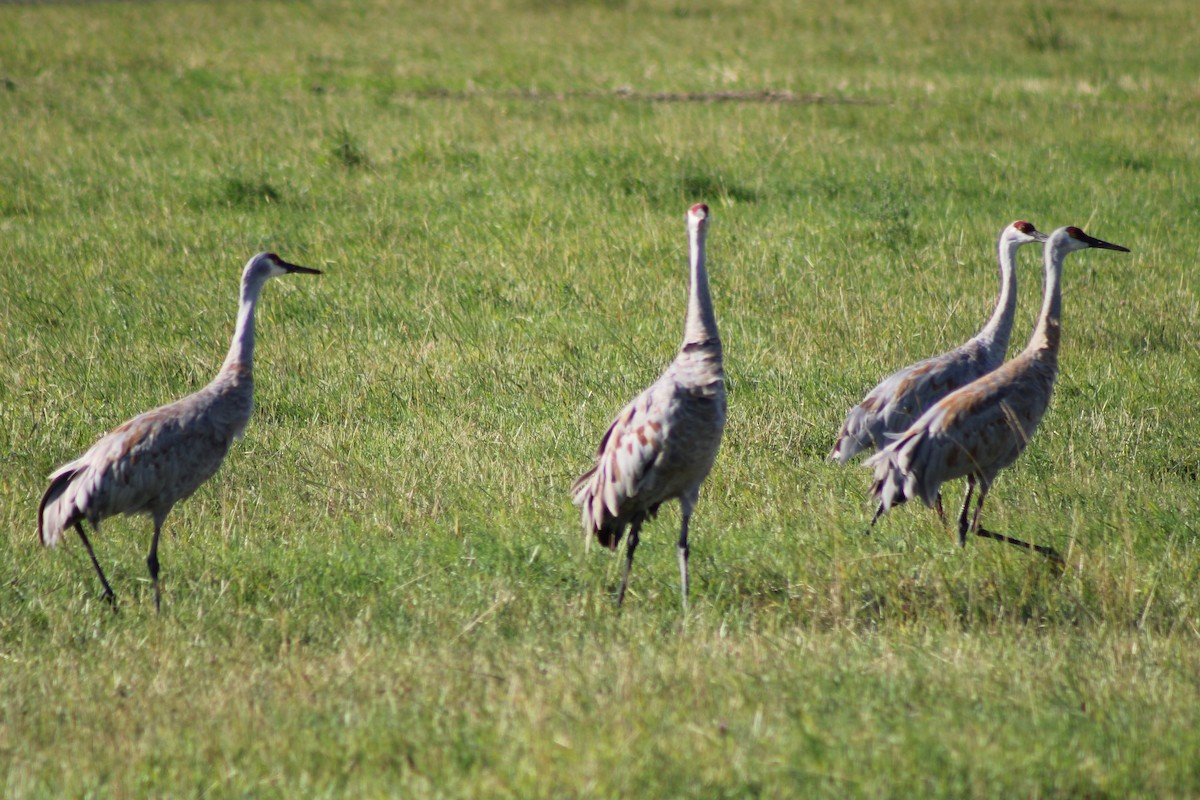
{"x":900,"y":473}
{"x":144,"y":466}
{"x":660,"y":447}
{"x":891,"y":486}
{"x":53,"y":517}
{"x":902,"y":397}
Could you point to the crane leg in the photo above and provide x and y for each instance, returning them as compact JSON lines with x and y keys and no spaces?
{"x":629,"y":548}
{"x":683,"y":559}
{"x":874,"y":519}
{"x":152,"y":564}
{"x":941,"y":511}
{"x":1048,"y":552}
{"x":962,"y":517}
{"x":109,"y":597}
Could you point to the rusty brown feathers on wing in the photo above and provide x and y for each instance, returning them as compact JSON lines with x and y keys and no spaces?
{"x":662,"y":445}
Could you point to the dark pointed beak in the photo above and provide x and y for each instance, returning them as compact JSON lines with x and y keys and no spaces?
{"x":298,"y":268}
{"x":1103,"y":245}
{"x":1041,"y":237}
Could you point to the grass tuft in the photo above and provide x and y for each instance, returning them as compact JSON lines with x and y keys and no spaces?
{"x":1045,"y":32}
{"x":242,"y":193}
{"x":346,"y":151}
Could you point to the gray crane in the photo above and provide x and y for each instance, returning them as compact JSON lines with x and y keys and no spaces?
{"x":158,"y":458}
{"x":983,"y":427}
{"x":663,"y":444}
{"x":902,"y":397}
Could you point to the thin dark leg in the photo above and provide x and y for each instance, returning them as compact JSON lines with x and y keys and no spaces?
{"x":962,"y":517}
{"x":683,"y":559}
{"x":629,"y":548}
{"x":941,"y":511}
{"x":109,"y":597}
{"x":152,"y":563}
{"x":874,"y":519}
{"x":984,"y":488}
{"x":1048,"y":552}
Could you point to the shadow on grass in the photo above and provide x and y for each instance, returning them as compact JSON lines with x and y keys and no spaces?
{"x":872,"y":594}
{"x":238,"y":192}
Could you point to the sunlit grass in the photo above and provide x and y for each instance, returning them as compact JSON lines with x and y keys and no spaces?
{"x":384,"y":591}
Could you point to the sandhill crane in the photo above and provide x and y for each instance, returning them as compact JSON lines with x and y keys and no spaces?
{"x":663,"y":444}
{"x":902,"y":397}
{"x":982,"y":428}
{"x":160,"y":457}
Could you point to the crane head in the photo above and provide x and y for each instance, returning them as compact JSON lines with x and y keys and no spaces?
{"x":269,"y":265}
{"x":698,"y":214}
{"x":1023,"y":232}
{"x":1076,"y":239}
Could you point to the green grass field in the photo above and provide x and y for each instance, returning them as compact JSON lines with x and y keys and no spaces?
{"x":385,"y":591}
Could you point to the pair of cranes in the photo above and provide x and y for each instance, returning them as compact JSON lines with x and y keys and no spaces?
{"x":965,"y":413}
{"x":973,"y":418}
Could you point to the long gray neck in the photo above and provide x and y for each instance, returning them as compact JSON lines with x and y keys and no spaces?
{"x":995,"y":334}
{"x":1046,"y":333}
{"x":241,"y":350}
{"x":701,"y":324}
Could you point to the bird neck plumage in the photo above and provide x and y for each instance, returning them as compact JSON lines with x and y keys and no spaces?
{"x":241,"y":350}
{"x":999,"y":327}
{"x":700,"y":328}
{"x":1047,"y":332}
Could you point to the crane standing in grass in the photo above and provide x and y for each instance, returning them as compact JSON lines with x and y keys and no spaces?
{"x":902,"y":397}
{"x":663,"y":444}
{"x":983,"y":427}
{"x":160,"y":457}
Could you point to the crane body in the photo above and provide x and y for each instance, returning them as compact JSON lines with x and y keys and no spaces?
{"x":156,"y":459}
{"x":663,"y":444}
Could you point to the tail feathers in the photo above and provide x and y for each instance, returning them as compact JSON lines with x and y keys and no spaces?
{"x":893,"y":484}
{"x":903,"y":472}
{"x":610,"y":534}
{"x":895,"y":480}
{"x":54,"y":516}
{"x":600,"y":514}
{"x":580,"y":486}
{"x":595,"y":515}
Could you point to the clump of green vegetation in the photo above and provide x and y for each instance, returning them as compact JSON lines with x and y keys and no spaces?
{"x":1045,"y":33}
{"x":239,"y":192}
{"x":346,"y":151}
